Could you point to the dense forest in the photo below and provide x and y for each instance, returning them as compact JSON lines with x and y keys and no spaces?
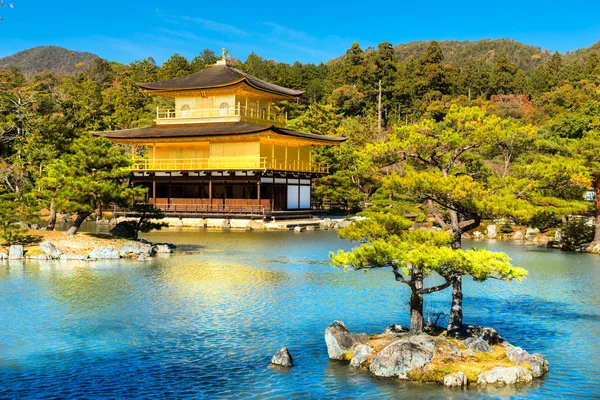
{"x":471,"y":134}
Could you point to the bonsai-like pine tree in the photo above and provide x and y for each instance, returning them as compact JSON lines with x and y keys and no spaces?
{"x":94,"y":174}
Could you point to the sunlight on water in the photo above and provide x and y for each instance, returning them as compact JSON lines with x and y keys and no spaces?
{"x":204,"y":323}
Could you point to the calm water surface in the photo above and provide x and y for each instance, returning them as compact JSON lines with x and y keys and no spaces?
{"x":204,"y":323}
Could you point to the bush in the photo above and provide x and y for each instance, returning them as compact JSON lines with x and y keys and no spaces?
{"x":576,"y":233}
{"x":421,"y":218}
{"x":544,"y":220}
{"x":506,"y":228}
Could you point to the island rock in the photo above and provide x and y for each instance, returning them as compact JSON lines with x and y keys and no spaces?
{"x":104,"y":253}
{"x":50,"y":249}
{"x":505,"y":376}
{"x":282,"y":358}
{"x":539,"y":365}
{"x":339,"y":340}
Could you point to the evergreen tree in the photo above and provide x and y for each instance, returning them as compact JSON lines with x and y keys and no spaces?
{"x":174,"y":67}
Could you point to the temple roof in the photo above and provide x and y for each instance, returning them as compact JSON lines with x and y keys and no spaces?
{"x":217,"y":76}
{"x":207,"y":130}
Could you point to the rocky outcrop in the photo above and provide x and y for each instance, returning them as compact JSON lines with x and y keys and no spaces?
{"x":299,"y":229}
{"x":133,"y":249}
{"x":15,"y":252}
{"x":518,"y":235}
{"x":505,"y":376}
{"x":457,"y":379}
{"x":339,"y":340}
{"x":282,"y":358}
{"x":403,"y":356}
{"x":433,"y":357}
{"x":104,"y":253}
{"x":50,"y":249}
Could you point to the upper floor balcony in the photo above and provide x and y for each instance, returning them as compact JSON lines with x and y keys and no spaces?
{"x":223,"y":113}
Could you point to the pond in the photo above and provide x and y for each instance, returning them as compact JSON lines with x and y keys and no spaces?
{"x":204,"y":323}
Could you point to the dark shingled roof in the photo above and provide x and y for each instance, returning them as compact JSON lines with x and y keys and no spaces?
{"x":208,"y":129}
{"x":218,"y":76}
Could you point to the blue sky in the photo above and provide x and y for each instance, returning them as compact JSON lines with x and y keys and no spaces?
{"x":304,"y":30}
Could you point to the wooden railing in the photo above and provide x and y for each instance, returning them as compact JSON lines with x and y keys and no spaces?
{"x":228,"y":163}
{"x":215,"y":112}
{"x":199,"y":209}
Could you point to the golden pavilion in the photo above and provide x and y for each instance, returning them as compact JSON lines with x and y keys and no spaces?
{"x":224,"y":149}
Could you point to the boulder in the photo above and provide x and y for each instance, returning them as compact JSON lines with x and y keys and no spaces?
{"x":457,"y":379}
{"x":15,"y":252}
{"x":477,"y":235}
{"x":104,"y":253}
{"x":36,"y":227}
{"x":478,"y":344}
{"x":538,"y":362}
{"x":344,"y":223}
{"x":558,"y":236}
{"x":492,"y":232}
{"x":402,"y":356}
{"x":395,"y":328}
{"x":360,"y":354}
{"x":339,"y":340}
{"x":299,"y":229}
{"x":162,"y":248}
{"x":531,"y":233}
{"x":518,"y":235}
{"x":134,"y":249}
{"x":50,"y":249}
{"x":310,"y":228}
{"x":123,"y":229}
{"x":326,"y":223}
{"x":505,"y":376}
{"x":465,"y":236}
{"x":490,"y":335}
{"x":282,"y":358}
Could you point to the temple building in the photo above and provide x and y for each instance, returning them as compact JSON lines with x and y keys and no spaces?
{"x":224,"y":149}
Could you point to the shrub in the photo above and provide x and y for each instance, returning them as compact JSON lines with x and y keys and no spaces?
{"x":576,"y":233}
{"x":506,"y":228}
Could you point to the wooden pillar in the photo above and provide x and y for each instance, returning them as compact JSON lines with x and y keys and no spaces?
{"x":209,"y":190}
{"x":273,"y":195}
{"x":169,"y":194}
{"x":154,"y":189}
{"x":258,"y":188}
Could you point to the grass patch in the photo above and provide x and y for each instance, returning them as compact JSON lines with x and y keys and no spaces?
{"x":471,"y":366}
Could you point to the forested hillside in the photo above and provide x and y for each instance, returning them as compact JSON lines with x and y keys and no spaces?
{"x":48,"y":58}
{"x":535,"y":129}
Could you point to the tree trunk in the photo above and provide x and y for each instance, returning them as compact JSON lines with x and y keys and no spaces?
{"x":456,"y":313}
{"x":52,"y":221}
{"x":416,"y":302}
{"x":81,"y":216}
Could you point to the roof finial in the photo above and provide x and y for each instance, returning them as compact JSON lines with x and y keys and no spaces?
{"x":224,"y":55}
